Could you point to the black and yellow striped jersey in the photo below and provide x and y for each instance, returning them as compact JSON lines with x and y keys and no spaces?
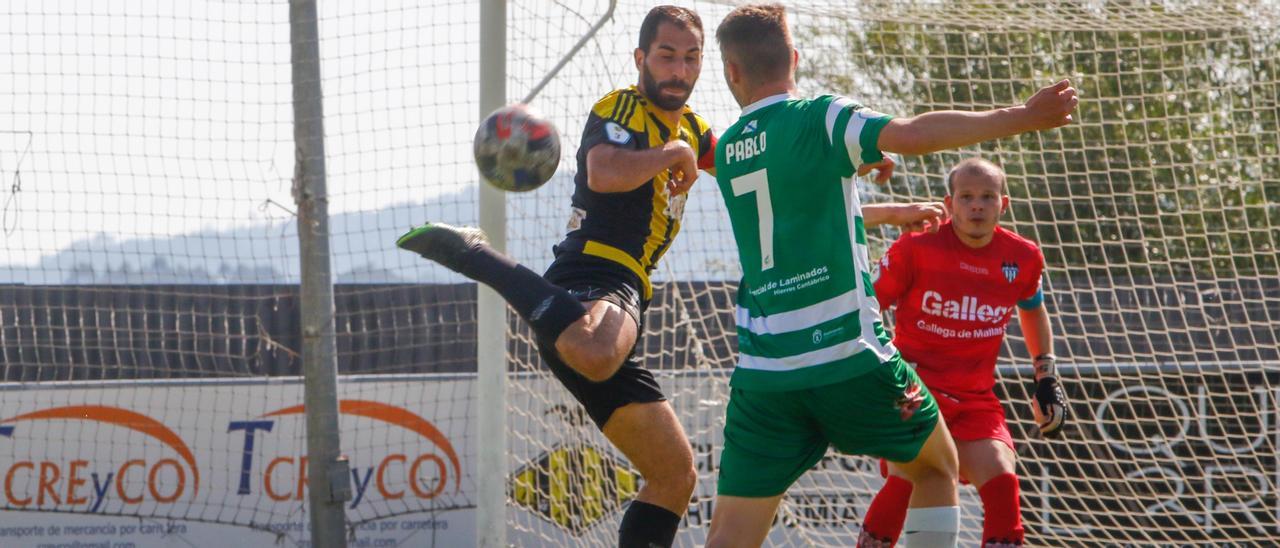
{"x":632,"y":228}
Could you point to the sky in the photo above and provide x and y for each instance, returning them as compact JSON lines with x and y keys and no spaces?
{"x":135,"y":135}
{"x":127,"y":125}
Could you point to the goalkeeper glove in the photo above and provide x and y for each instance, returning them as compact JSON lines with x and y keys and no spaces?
{"x":1049,"y":404}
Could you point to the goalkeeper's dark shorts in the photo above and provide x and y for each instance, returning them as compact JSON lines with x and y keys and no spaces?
{"x":595,"y":279}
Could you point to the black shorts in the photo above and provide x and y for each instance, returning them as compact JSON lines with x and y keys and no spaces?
{"x":594,"y":279}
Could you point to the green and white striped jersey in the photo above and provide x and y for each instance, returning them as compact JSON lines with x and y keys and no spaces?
{"x":806,"y":312}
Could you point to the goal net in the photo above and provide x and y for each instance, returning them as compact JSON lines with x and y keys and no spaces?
{"x":1155,"y":210}
{"x":149,"y":266}
{"x":150,"y":334}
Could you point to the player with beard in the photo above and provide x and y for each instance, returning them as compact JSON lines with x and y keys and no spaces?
{"x":955,"y":291}
{"x":640,"y":153}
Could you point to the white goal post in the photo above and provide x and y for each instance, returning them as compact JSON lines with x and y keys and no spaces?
{"x":151,"y":330}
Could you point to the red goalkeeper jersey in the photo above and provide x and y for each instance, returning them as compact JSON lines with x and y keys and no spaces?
{"x":954,"y":302}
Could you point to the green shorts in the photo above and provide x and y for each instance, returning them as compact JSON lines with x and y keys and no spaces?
{"x":771,"y":438}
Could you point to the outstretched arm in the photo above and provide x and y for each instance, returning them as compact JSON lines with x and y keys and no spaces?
{"x":1049,"y":108}
{"x":915,"y":217}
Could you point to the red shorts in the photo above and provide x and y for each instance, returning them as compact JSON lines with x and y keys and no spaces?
{"x":969,"y":416}
{"x":972,"y":416}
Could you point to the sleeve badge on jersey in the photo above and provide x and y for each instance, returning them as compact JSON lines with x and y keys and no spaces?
{"x":617,"y":134}
{"x":1010,"y":270}
{"x":868,"y":114}
{"x":575,"y":219}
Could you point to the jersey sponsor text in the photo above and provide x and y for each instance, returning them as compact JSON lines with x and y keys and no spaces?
{"x":967,"y":308}
{"x":948,"y":333}
{"x":800,"y":281}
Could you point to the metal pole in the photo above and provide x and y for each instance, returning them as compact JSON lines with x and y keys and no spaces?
{"x":328,"y":480}
{"x":491,"y":310}
{"x":546,"y":79}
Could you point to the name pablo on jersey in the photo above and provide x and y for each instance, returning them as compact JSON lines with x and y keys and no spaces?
{"x":967,"y":308}
{"x":744,"y":149}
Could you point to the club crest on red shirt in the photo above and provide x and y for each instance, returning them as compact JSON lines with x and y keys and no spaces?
{"x":1010,"y":270}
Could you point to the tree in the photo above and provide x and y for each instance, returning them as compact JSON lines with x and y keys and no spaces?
{"x":1170,"y":171}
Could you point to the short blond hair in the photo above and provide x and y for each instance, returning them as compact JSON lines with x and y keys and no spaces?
{"x":977,"y":165}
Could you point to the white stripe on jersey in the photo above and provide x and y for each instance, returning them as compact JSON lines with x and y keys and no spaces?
{"x":833,"y":111}
{"x":795,"y":320}
{"x":853,"y":140}
{"x":820,"y":356}
{"x":868,"y":307}
{"x":801,"y":318}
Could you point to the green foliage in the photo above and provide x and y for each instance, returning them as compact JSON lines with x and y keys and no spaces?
{"x":1172,"y":169}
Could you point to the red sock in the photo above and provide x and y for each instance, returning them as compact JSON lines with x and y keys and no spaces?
{"x":883,"y":522}
{"x":1002,"y":515}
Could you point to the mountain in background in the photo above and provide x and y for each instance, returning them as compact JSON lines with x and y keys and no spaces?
{"x":362,"y":246}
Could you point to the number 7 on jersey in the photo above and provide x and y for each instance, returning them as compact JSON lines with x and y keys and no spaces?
{"x":758,"y":182}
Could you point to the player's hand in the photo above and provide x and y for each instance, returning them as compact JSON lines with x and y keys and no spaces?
{"x":1051,"y":106}
{"x":920,"y":216}
{"x":683,"y":170}
{"x":1049,"y":404}
{"x":884,"y":169}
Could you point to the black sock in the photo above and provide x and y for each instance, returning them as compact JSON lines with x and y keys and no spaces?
{"x":549,"y":309}
{"x":647,"y":526}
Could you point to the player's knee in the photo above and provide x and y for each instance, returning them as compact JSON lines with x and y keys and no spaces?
{"x":978,"y":473}
{"x":685,"y":481}
{"x":945,"y":460}
{"x":676,"y":481}
{"x":948,"y":466}
{"x":936,"y":468}
{"x":675,"y":486}
{"x":943,"y":468}
{"x":932,"y":478}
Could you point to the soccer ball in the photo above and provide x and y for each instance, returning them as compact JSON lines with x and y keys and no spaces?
{"x":517,"y":149}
